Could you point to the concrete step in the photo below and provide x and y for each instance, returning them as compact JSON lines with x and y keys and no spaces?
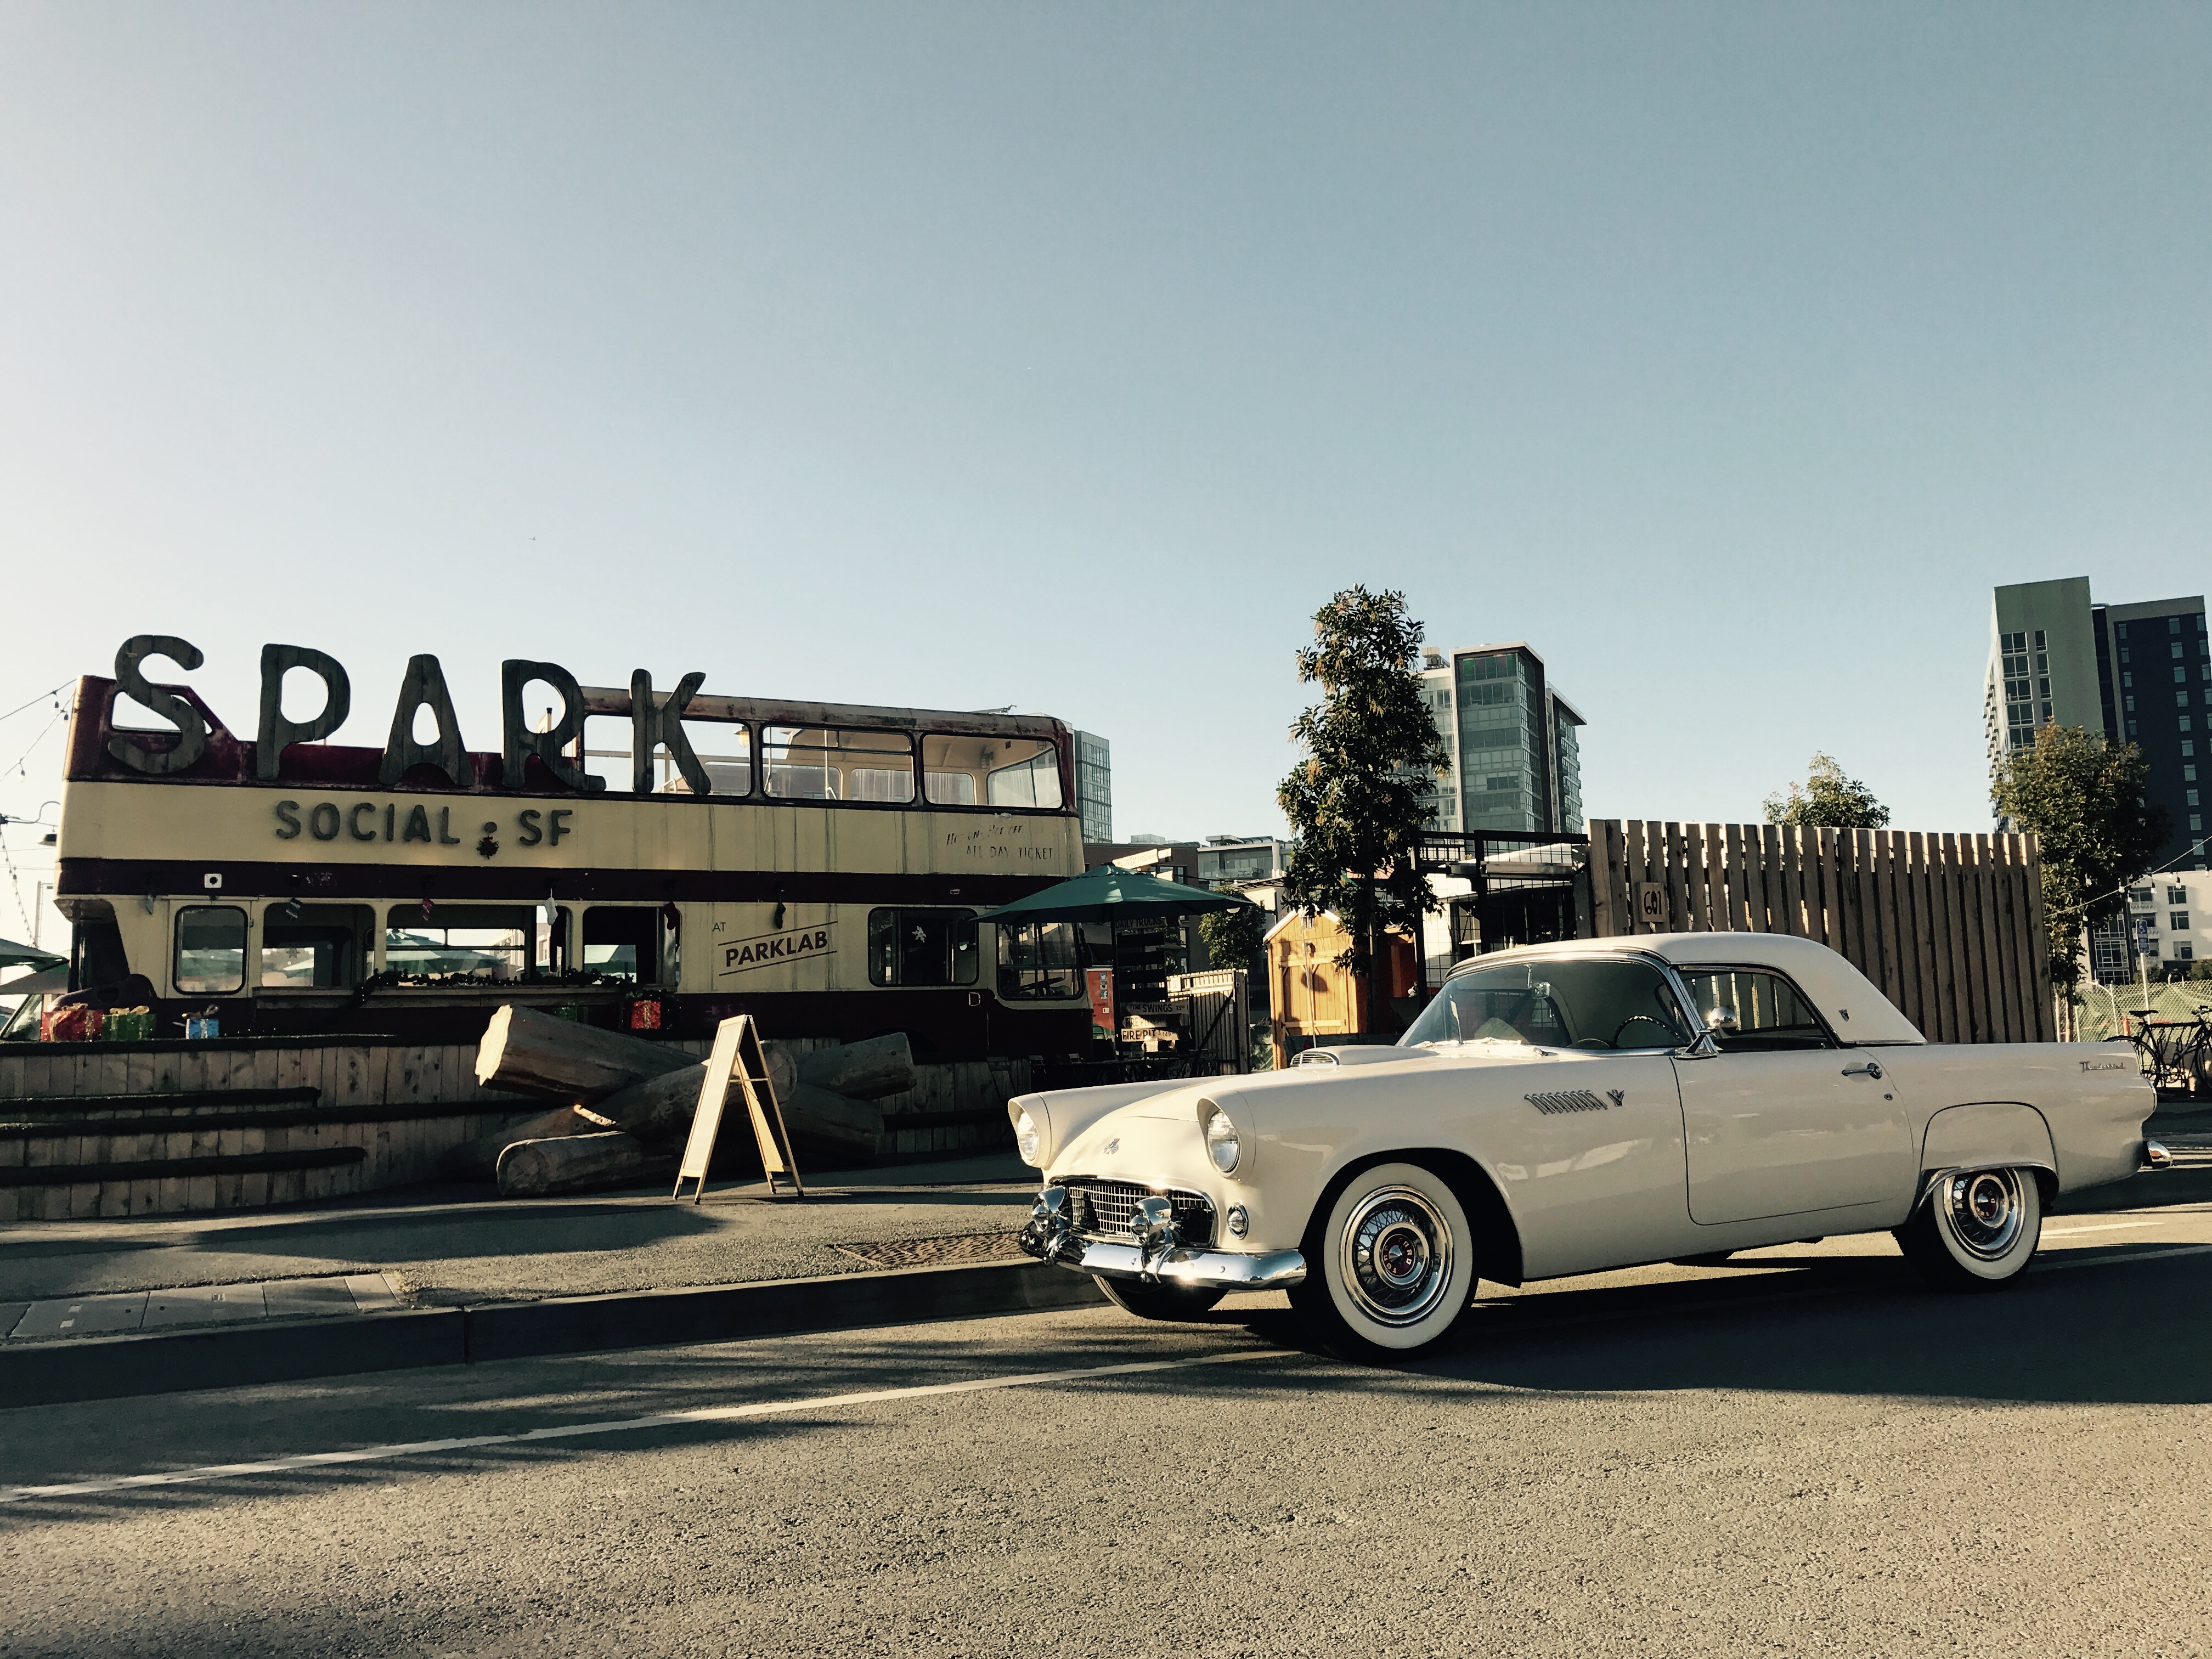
{"x":165,"y":1169}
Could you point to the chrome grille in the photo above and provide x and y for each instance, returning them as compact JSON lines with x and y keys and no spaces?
{"x":1106,"y":1209}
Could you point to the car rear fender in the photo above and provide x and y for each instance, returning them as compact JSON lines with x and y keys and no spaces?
{"x":1987,"y":1134}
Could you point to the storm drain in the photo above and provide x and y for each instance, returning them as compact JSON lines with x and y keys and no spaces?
{"x":936,"y":1252}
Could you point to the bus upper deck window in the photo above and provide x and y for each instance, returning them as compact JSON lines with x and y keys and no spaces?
{"x":210,"y":950}
{"x":1025,"y":772}
{"x":724,"y":751}
{"x":959,"y":770}
{"x":813,"y":763}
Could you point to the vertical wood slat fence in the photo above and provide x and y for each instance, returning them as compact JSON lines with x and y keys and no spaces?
{"x":1951,"y":927}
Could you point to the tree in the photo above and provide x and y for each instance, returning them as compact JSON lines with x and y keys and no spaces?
{"x":2081,"y":798}
{"x":1355,"y":802}
{"x":1828,"y":799}
{"x":1232,"y":937}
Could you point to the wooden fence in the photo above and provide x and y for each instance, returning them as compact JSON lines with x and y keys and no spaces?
{"x":1951,"y":927}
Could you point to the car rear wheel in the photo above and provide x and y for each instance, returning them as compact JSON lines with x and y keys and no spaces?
{"x":1975,"y":1230}
{"x":1389,"y":1267}
{"x":1158,"y":1301}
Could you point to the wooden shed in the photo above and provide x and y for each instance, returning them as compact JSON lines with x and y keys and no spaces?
{"x":1315,"y":1002}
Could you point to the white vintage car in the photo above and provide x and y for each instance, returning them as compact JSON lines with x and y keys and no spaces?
{"x":1569,"y":1108}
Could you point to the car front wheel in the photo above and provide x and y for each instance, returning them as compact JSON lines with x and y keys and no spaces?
{"x":1390,"y":1267}
{"x":1975,"y":1230}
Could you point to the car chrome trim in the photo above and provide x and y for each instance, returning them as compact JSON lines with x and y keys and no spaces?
{"x":1214,"y":1269}
{"x":1573,"y":1100}
{"x":2155,"y":1156}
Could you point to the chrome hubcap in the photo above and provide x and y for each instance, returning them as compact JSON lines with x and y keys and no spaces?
{"x":1397,"y":1256}
{"x":1986,"y":1211}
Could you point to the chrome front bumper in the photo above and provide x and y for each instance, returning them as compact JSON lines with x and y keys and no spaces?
{"x":1219,"y":1270}
{"x":1155,"y":1257}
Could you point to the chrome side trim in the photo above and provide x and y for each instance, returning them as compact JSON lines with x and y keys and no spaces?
{"x":1214,"y":1269}
{"x":1571,"y":1100}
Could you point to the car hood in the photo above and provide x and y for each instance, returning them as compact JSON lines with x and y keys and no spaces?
{"x":1152,"y":1131}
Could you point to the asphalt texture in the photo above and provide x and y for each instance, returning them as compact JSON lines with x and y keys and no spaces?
{"x":1801,"y":1451}
{"x":454,"y":1248}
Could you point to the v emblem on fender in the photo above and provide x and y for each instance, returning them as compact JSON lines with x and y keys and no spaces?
{"x":1614,"y":1096}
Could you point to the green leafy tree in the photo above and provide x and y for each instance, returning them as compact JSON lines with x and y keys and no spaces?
{"x":1232,"y":937}
{"x":1828,"y":799}
{"x":2082,"y":797}
{"x":1355,"y":802}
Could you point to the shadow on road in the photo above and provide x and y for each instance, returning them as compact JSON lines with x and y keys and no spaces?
{"x":2119,"y":1332}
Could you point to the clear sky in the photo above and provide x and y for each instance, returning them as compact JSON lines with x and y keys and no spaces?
{"x":1068,"y":357}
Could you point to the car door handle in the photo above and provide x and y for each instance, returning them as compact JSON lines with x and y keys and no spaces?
{"x":1869,"y":1069}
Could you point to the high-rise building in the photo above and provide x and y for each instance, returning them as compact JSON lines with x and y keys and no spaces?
{"x":1515,"y":759}
{"x":2137,"y":673}
{"x":1094,"y":786}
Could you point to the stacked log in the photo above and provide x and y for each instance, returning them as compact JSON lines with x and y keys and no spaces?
{"x":630,"y":1102}
{"x":528,"y":1052}
{"x":573,"y":1163}
{"x":478,"y":1159}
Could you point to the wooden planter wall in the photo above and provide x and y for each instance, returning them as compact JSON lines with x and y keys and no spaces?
{"x":1951,"y":927}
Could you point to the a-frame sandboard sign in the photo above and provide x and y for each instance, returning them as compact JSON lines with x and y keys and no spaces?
{"x":737,"y":1059}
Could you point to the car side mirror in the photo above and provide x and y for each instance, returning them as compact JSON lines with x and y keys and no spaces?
{"x":1722,"y":1018}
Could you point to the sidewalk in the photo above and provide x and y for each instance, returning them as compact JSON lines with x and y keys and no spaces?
{"x":451,"y":1247}
{"x":94,"y":1309}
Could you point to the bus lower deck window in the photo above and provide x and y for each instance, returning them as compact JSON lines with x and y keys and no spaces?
{"x":458,"y":941}
{"x":210,"y":950}
{"x":624,"y":942}
{"x":921,"y":947}
{"x":1038,"y":962}
{"x":320,"y":948}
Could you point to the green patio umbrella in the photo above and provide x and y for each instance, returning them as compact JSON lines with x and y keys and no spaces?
{"x":13,"y":955}
{"x":1110,"y":893}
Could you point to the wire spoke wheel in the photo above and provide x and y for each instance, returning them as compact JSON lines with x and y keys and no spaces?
{"x":1977,"y":1230}
{"x":1984,"y":1211}
{"x":1397,"y":1255}
{"x":1389,"y":1264}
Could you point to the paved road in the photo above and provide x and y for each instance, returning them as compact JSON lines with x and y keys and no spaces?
{"x":1801,"y":1453}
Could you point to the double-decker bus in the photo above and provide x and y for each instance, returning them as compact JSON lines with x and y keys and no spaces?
{"x":826,"y":879}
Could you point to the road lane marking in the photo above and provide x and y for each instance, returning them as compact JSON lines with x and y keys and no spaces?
{"x":625,"y":1425}
{"x":2101,"y":1227}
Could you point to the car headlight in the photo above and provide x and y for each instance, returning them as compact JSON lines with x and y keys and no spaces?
{"x":1221,"y":1141}
{"x":1029,"y":1139}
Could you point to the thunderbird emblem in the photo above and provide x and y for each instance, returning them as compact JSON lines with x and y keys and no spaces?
{"x":1112,"y":1146}
{"x":1614,"y":1096}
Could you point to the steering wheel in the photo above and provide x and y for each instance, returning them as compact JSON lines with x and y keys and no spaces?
{"x":1673,"y":1035}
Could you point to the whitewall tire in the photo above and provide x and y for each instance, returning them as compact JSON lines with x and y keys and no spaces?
{"x":1390,"y":1268}
{"x":1976,"y":1228}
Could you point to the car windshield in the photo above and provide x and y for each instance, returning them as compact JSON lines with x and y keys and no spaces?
{"x":1567,"y":1005}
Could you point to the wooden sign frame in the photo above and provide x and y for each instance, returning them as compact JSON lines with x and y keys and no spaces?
{"x":738,"y":1057}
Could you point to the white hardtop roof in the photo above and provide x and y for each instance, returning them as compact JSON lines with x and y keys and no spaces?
{"x":1847,"y":999}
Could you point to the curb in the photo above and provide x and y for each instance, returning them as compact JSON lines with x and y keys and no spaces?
{"x":117,"y":1367}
